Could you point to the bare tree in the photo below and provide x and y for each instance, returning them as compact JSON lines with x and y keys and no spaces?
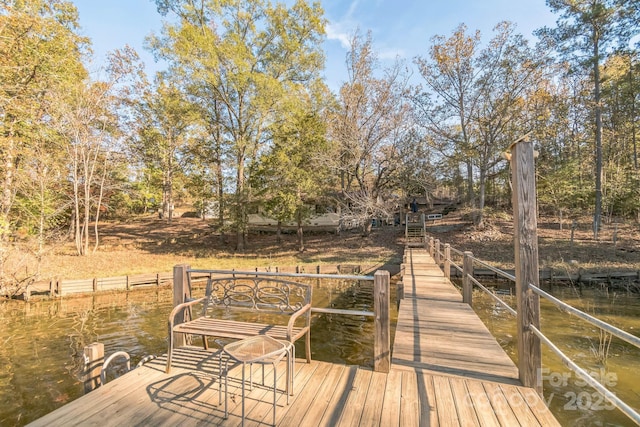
{"x":367,"y":128}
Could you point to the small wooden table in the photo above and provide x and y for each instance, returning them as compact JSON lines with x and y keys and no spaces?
{"x":261,"y":349}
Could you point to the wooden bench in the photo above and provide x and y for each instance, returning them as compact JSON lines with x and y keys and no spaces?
{"x":282,"y":308}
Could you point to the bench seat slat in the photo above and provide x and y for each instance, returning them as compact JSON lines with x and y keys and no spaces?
{"x":233,"y":329}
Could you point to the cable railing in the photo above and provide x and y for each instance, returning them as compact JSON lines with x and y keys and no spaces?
{"x":495,"y":297}
{"x":468,"y":280}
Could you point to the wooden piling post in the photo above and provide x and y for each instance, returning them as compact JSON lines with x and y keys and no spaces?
{"x":93,"y":360}
{"x":181,"y":292}
{"x":382,"y":339}
{"x":436,"y":253}
{"x":526,"y":261}
{"x":447,"y":261}
{"x":431,"y":246}
{"x":467,"y":273}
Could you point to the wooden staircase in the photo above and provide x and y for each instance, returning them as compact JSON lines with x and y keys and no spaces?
{"x":414,"y":230}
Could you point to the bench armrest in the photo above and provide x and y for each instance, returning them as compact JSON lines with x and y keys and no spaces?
{"x":294,"y":317}
{"x":178,"y":308}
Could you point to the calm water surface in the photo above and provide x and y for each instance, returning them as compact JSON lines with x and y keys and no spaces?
{"x":42,"y":342}
{"x":572,"y":401}
{"x":41,"y":345}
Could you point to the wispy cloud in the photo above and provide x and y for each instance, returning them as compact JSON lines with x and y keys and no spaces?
{"x":335,"y":32}
{"x":385,"y":54}
{"x":343,"y":28}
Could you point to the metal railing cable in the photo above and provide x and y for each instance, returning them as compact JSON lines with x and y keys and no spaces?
{"x":455,"y":251}
{"x":495,"y":270}
{"x":625,"y":336}
{"x":615,"y":400}
{"x":631,"y":339}
{"x":494,"y":296}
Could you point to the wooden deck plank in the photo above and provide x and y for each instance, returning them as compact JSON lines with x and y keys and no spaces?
{"x":447,"y":370}
{"x":429,"y":403}
{"x":447,"y":413}
{"x":482,"y":404}
{"x":500,"y":406}
{"x":338,"y":399}
{"x":100,"y":399}
{"x":259,"y":400}
{"x":304,"y":396}
{"x":467,"y":414}
{"x":181,"y":400}
{"x":519,"y":406}
{"x":409,"y":403}
{"x":391,"y":404}
{"x":323,"y":394}
{"x":374,"y":400}
{"x":354,"y":404}
{"x":538,"y":407}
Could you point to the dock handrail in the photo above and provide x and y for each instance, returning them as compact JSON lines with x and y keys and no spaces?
{"x":105,"y":365}
{"x":607,"y":327}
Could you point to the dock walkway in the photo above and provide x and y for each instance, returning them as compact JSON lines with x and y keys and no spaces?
{"x":447,"y":370}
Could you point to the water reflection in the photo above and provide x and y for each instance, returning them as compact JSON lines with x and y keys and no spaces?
{"x":572,"y":401}
{"x":42,"y":342}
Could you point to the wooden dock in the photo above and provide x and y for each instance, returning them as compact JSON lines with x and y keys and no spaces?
{"x":447,"y":370}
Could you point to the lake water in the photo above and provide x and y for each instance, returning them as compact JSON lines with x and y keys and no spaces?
{"x":571,"y":401}
{"x":42,"y":342}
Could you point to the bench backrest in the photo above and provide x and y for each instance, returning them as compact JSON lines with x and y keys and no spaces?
{"x":254,"y":293}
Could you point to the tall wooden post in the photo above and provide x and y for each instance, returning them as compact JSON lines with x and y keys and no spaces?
{"x":181,"y":293}
{"x":431,"y":243}
{"x":382,"y":339}
{"x":467,"y":284}
{"x":526,"y":261}
{"x":93,"y":360}
{"x":436,"y":253}
{"x":447,"y":261}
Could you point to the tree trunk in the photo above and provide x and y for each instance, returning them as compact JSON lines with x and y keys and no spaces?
{"x":633,"y":113}
{"x":470,"y":194}
{"x":300,"y":233}
{"x":240,"y":206}
{"x":366,"y":227}
{"x":5,"y":205}
{"x":598,"y":114}
{"x":220,"y":179}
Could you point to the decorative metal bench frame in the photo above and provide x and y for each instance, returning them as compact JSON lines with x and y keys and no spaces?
{"x":289,"y":301}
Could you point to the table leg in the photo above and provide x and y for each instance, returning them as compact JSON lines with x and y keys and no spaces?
{"x":242,"y":423}
{"x":226,"y":388}
{"x":274,"y":394}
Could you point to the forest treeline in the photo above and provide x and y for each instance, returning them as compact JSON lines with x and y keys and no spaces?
{"x":242,"y":116}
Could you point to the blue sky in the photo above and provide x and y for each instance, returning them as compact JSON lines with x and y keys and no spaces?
{"x":400,"y":28}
